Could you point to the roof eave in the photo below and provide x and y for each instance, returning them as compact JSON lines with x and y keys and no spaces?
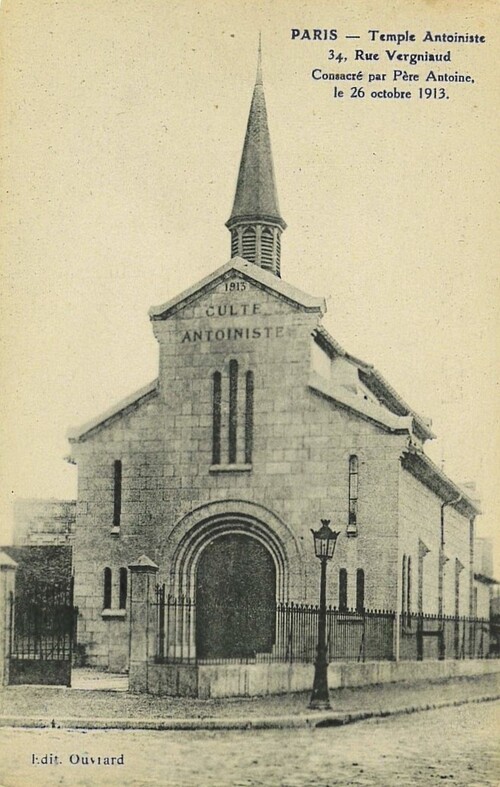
{"x":255,"y":218}
{"x":125,"y":406}
{"x":424,"y":469}
{"x":328,"y":343}
{"x":322,"y":390}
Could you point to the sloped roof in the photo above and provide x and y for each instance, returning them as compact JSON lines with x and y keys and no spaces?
{"x":254,"y":274}
{"x":366,"y":409}
{"x":127,"y":405}
{"x":421,"y":467}
{"x":376,"y":383}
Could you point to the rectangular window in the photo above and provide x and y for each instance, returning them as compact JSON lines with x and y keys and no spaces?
{"x":360,"y":590}
{"x":233,"y":410}
{"x":117,"y":494}
{"x":343,"y":590}
{"x":216,"y":418}
{"x":123,"y":588}
{"x":353,"y":490}
{"x":107,"y":588}
{"x":249,"y":418}
{"x":232,"y":419}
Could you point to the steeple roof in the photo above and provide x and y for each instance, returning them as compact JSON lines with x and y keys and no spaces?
{"x":256,"y":196}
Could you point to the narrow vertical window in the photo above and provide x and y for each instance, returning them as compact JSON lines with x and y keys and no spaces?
{"x":249,"y":418}
{"x":216,"y":418}
{"x":107,"y":588}
{"x":353,"y":490}
{"x":343,"y":589}
{"x":360,"y":590}
{"x":123,"y":588}
{"x":117,"y":493}
{"x":233,"y":410}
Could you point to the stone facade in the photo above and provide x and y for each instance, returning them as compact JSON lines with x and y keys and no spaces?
{"x":310,"y":415}
{"x":420,"y":539}
{"x":485,"y":586}
{"x":258,"y":426}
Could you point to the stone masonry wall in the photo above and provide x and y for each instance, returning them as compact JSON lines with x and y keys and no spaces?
{"x":298,"y":474}
{"x":420,"y":521}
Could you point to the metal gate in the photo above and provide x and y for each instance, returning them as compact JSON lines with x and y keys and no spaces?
{"x":42,"y":631}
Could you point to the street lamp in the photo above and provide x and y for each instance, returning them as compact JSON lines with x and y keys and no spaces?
{"x":324,"y":547}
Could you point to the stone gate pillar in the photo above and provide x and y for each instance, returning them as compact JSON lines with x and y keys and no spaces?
{"x":7,"y":584}
{"x":143,"y":622}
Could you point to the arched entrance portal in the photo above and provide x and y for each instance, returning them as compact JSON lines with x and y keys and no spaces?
{"x":235,"y":598}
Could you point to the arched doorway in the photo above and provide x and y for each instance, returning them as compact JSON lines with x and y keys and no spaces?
{"x":235,"y":598}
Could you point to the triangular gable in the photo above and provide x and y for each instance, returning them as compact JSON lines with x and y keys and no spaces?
{"x":252,"y":273}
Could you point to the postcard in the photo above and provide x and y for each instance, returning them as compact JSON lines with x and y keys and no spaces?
{"x":250,"y":392}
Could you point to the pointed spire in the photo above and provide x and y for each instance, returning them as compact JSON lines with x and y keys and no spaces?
{"x":258,"y":78}
{"x":255,"y":223}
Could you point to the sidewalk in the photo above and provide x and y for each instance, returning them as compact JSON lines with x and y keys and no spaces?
{"x":39,"y":706}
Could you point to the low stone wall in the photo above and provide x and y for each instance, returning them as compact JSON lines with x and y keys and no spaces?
{"x":251,"y":680}
{"x":352,"y":675}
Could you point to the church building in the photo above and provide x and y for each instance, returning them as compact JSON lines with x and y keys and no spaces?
{"x":258,"y":426}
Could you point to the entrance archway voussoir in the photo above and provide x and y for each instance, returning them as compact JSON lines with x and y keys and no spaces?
{"x":194,"y":531}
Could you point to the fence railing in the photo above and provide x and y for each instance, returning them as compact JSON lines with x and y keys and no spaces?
{"x":444,"y":637}
{"x":352,"y":635}
{"x":42,"y":620}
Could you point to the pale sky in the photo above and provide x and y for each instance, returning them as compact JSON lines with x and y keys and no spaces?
{"x":123,"y":124}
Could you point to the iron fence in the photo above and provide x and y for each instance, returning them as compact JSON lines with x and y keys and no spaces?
{"x":425,"y":637}
{"x":42,"y":620}
{"x":42,"y":630}
{"x":352,"y":635}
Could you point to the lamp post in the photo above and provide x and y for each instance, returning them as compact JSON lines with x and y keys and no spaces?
{"x":324,"y":547}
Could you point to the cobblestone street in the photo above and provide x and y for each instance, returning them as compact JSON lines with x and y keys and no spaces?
{"x":453,"y":745}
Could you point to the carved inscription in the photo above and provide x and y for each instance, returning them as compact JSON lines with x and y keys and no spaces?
{"x":232,"y":333}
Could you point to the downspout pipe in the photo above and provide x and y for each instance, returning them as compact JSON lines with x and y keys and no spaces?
{"x":443,"y":506}
{"x":442,"y":561}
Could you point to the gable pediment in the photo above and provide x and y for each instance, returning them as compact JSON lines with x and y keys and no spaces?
{"x":238,"y":289}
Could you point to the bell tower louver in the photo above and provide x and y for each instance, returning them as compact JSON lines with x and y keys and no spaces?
{"x":255,"y":223}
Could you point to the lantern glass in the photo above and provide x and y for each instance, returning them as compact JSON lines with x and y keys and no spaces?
{"x":324,"y":540}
